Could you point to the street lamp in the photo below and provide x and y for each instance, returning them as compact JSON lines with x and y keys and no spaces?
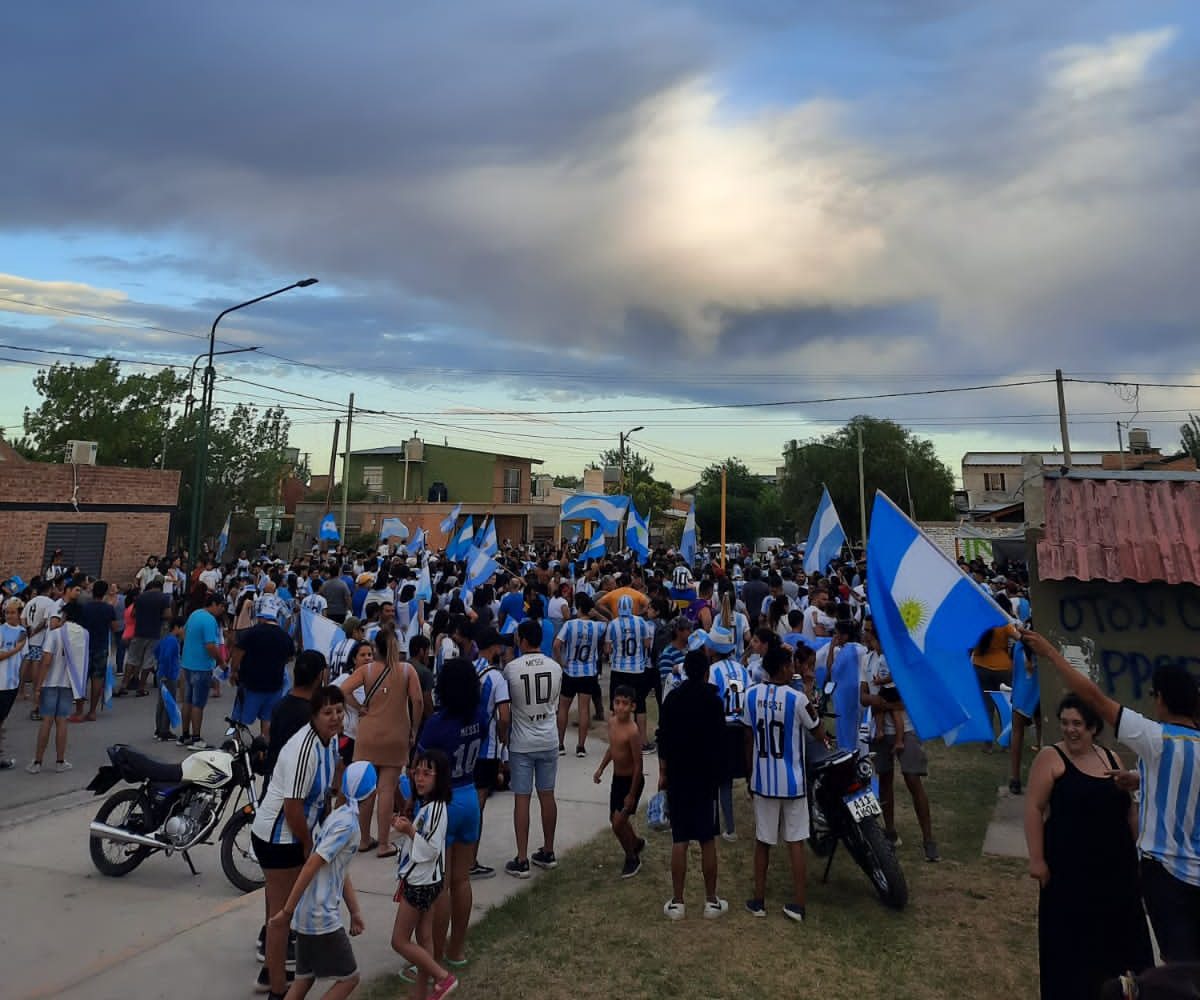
{"x":210,"y":378}
{"x":187,"y":403}
{"x":625,"y":436}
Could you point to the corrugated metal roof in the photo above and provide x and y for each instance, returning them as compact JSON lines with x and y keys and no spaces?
{"x":1121,"y":528}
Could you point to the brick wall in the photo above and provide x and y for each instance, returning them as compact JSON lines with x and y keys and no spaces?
{"x":130,"y":536}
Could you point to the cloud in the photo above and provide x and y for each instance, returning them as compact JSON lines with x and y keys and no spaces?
{"x":25,"y":295}
{"x":1087,"y":71}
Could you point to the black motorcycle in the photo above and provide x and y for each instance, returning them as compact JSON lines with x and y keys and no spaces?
{"x":176,"y":807}
{"x":845,"y":809}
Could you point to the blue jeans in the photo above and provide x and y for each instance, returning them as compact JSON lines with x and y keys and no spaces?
{"x":196,"y":686}
{"x":536,"y":768}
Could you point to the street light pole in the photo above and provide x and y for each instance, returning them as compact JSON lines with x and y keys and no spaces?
{"x":187,"y":403}
{"x":625,"y":436}
{"x":210,"y":378}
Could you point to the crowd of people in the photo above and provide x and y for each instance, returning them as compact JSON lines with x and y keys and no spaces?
{"x":425,"y":706}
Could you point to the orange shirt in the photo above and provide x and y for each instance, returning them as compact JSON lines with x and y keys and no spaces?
{"x":996,"y":656}
{"x":610,"y":600}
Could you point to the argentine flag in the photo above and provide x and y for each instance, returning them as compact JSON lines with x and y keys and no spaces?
{"x":605,"y":510}
{"x":450,"y":520}
{"x":928,"y":616}
{"x":318,"y":632}
{"x":393,"y":527}
{"x":417,"y":543}
{"x":825,"y":537}
{"x":1003,"y":703}
{"x":637,"y":534}
{"x":223,"y":537}
{"x":460,"y":544}
{"x":170,"y":705}
{"x":424,"y":585}
{"x":687,"y":544}
{"x":595,"y":547}
{"x":488,"y":543}
{"x":328,"y":532}
{"x":480,"y":567}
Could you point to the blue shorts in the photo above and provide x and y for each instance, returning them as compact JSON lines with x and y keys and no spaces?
{"x":196,"y":686}
{"x":464,"y":819}
{"x":56,"y":703}
{"x":526,"y":770}
{"x":252,"y":705}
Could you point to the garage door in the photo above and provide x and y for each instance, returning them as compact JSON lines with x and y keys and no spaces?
{"x":82,"y":545}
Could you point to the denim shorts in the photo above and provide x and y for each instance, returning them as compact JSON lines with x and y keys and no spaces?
{"x":196,"y":686}
{"x":463,"y":818}
{"x":536,"y":768}
{"x":56,"y":702}
{"x":255,"y":705}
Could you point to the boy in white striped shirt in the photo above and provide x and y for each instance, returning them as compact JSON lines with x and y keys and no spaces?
{"x":314,"y":906}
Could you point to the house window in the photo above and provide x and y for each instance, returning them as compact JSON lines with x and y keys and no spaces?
{"x":373,"y":477}
{"x":993,"y":482}
{"x":512,"y":486}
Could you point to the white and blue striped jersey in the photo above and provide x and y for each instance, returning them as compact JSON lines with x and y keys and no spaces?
{"x":314,"y":603}
{"x":10,"y":669}
{"x":320,"y":908}
{"x":630,"y":636}
{"x":1168,"y":818}
{"x":778,"y":717}
{"x":732,"y":681}
{"x":303,"y":771}
{"x":581,"y":639}
{"x":493,"y":692}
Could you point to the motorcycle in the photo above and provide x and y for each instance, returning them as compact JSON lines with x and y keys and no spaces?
{"x":846,"y":810}
{"x":176,"y":807}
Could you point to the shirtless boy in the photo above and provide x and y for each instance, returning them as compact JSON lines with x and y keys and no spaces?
{"x":625,"y":752}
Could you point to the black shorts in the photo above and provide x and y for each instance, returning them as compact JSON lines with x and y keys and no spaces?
{"x":693,"y":816}
{"x":572,"y":686}
{"x":325,"y":956}
{"x":422,"y":897}
{"x":733,"y":753}
{"x":487,"y":773}
{"x":621,"y":786}
{"x":642,"y":685}
{"x":98,"y":664}
{"x":276,"y":857}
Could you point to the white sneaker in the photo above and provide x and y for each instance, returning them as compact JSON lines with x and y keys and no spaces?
{"x":61,"y":766}
{"x":33,"y":767}
{"x":718,"y":909}
{"x":673,"y":910}
{"x":729,"y":837}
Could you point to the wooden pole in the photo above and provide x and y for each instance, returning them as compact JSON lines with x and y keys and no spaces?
{"x":723,"y":483}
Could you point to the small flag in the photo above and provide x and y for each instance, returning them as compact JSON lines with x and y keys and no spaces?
{"x":480,"y":567}
{"x":450,"y":520}
{"x":825,"y":537}
{"x":424,"y":584}
{"x":687,"y":544}
{"x":477,"y":541}
{"x":328,"y":532}
{"x":393,"y":527}
{"x":490,"y":545}
{"x":461,"y":543}
{"x":637,"y":534}
{"x":171,"y":705}
{"x":223,"y":538}
{"x":110,"y":682}
{"x":509,"y":626}
{"x":318,"y":632}
{"x":605,"y":510}
{"x":416,"y":543}
{"x":595,"y":547}
{"x":1003,"y":702}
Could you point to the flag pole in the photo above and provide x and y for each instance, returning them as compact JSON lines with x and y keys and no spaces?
{"x":723,"y":471}
{"x":346,"y":467}
{"x":862,"y":491}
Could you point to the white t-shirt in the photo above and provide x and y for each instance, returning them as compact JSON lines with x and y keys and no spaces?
{"x":874,"y":672}
{"x":814,"y":616}
{"x":303,"y":771}
{"x":314,"y":603}
{"x":56,"y":675}
{"x":559,"y":610}
{"x":534,"y":684}
{"x":211,"y":578}
{"x":37,"y":614}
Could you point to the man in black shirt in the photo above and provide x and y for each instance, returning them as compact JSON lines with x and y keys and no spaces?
{"x":294,"y":711}
{"x":754,"y":593}
{"x":100,"y":620}
{"x":259,"y":665}
{"x":150,"y":608}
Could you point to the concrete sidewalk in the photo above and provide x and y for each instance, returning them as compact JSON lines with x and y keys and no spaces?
{"x":1005,"y":836}
{"x":159,"y":932}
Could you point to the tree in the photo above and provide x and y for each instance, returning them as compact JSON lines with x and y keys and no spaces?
{"x":889,"y":453}
{"x":752,"y":506}
{"x":568,"y":482}
{"x":1190,"y":434}
{"x":649,"y":495}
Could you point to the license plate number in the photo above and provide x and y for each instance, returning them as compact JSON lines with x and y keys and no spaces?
{"x":863,"y":806}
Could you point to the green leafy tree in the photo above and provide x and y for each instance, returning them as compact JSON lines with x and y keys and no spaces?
{"x":649,"y":495}
{"x":889,"y":451}
{"x":752,"y":507}
{"x":568,"y":482}
{"x":1190,"y":435}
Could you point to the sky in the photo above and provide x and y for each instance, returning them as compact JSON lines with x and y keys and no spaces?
{"x":537,"y":225}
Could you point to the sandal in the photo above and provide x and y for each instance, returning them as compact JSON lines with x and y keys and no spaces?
{"x":388,"y":852}
{"x":35,"y":716}
{"x":370,"y":845}
{"x":458,"y":963}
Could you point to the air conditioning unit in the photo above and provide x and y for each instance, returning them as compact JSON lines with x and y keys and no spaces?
{"x":81,"y":452}
{"x":1139,"y":440}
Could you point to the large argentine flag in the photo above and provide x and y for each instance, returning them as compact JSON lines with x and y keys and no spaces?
{"x":928,"y":616}
{"x":460,"y":544}
{"x":687,"y":543}
{"x":417,"y":543}
{"x":424,"y":584}
{"x":606,"y":510}
{"x":393,"y":527}
{"x":480,"y":567}
{"x":637,"y":534}
{"x":450,"y":520}
{"x":595,"y":548}
{"x":489,"y":544}
{"x":825,"y":537}
{"x":318,"y":632}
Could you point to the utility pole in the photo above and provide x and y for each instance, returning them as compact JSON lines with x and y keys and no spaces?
{"x":862,"y":491}
{"x":724,"y":470}
{"x":1062,"y":418}
{"x":346,"y":467}
{"x":625,"y":436}
{"x":1121,"y":445}
{"x":337,"y":429}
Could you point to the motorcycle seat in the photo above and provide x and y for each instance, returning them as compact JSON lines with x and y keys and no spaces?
{"x":137,"y":766}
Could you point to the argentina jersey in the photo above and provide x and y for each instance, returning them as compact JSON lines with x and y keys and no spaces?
{"x":731,"y":680}
{"x":10,"y":668}
{"x":630,"y":636}
{"x":777,"y":717}
{"x":493,"y":692}
{"x":581,"y":639}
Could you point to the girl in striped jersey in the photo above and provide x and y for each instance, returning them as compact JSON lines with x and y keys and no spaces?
{"x":421,"y":870}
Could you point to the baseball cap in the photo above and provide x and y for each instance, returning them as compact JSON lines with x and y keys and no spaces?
{"x":359,"y":781}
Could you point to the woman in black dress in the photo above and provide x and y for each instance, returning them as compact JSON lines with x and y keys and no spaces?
{"x":1081,"y":830}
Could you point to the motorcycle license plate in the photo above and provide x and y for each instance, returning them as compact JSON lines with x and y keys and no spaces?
{"x":863,"y":805}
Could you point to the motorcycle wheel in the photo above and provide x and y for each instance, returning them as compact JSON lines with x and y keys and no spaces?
{"x":116,"y":857}
{"x":878,"y":860}
{"x":237,"y":854}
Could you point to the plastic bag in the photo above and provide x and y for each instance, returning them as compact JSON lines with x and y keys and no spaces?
{"x":658,"y":817}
